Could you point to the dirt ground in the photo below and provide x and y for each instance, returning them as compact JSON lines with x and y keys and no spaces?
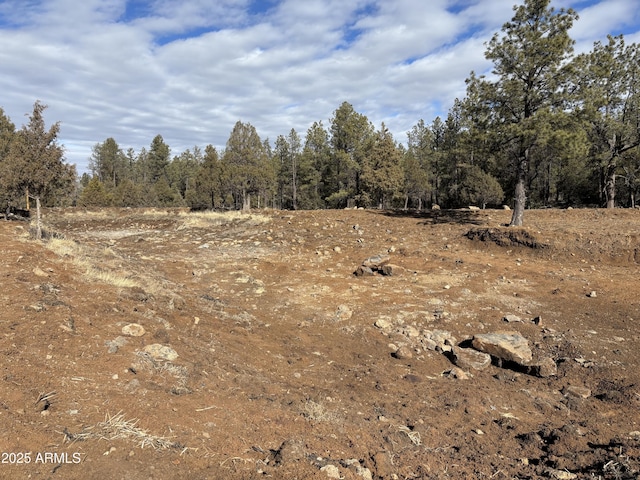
{"x":290,"y":366}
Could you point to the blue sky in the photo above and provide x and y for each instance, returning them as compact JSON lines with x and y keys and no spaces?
{"x":189,"y":69}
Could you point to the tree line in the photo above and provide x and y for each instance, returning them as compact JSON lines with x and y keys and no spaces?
{"x":545,"y":128}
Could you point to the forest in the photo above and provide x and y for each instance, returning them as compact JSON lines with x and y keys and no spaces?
{"x":546,"y":128}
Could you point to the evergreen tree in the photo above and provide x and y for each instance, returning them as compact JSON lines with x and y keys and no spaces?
{"x":94,"y":194}
{"x":529,"y":60}
{"x":314,"y":162}
{"x":247,"y":164}
{"x":207,"y":187}
{"x":382,"y":175}
{"x":34,"y":165}
{"x":108,"y":163}
{"x":608,"y":84}
{"x":351,"y":138}
{"x":157,"y":159}
{"x":7,"y":133}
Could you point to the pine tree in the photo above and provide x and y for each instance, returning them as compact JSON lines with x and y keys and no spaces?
{"x":529,"y":65}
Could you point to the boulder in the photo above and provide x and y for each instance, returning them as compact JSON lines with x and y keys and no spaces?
{"x":467,"y":358}
{"x":508,"y":346}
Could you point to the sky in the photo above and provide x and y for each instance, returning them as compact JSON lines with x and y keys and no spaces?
{"x":190,"y":69}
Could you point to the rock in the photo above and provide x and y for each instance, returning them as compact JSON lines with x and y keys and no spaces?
{"x":467,"y":358}
{"x":133,"y":330}
{"x":383,"y":324}
{"x":506,"y":207}
{"x":115,"y":344}
{"x":390,"y":270}
{"x":376,"y":261}
{"x":410,"y":331}
{"x":343,"y":313}
{"x":161,"y":352}
{"x":364,"y":472}
{"x":331,"y":471}
{"x":435,"y":206}
{"x":592,"y":294}
{"x":577,"y":392}
{"x":509,"y":346}
{"x":39,"y":272}
{"x":511,"y":319}
{"x":546,"y":368}
{"x":403,"y":353}
{"x":456,"y":373}
{"x":337,"y":249}
{"x":473,"y":208}
{"x":363,"y":271}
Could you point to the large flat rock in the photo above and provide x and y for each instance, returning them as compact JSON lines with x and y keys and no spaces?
{"x":508,"y":346}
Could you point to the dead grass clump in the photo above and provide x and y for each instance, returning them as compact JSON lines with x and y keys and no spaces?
{"x":316,"y":412}
{"x":116,"y":427}
{"x":212,"y":218}
{"x":85,"y":259}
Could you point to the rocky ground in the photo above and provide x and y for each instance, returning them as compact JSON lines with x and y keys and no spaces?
{"x":152,"y":344}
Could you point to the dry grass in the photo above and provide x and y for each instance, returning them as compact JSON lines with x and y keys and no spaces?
{"x":86,"y":260}
{"x":117,"y":427}
{"x":210,"y":218}
{"x":316,"y":412}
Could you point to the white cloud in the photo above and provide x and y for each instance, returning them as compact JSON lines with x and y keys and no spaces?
{"x":189,"y":70}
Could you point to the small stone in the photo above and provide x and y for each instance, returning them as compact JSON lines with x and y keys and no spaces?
{"x":331,"y":471}
{"x":403,"y":353}
{"x":546,"y":368}
{"x":511,"y":319}
{"x":39,"y":272}
{"x":383,"y":324}
{"x":343,"y":313}
{"x":133,"y":330}
{"x":577,"y":392}
{"x":456,"y":373}
{"x":161,"y":352}
{"x":592,"y":294}
{"x":337,"y":249}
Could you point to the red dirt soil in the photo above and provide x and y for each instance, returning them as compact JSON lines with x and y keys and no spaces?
{"x":281,"y":370}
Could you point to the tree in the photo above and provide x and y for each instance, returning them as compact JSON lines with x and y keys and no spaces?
{"x":34,"y":165}
{"x":108,"y":162}
{"x":207,"y":186}
{"x":608,"y":86}
{"x":94,"y":194}
{"x":351,"y":138}
{"x":382,"y":175}
{"x":477,"y":187}
{"x":157,"y":158}
{"x":287,"y":154}
{"x":246,"y":162}
{"x":7,"y":134}
{"x":314,"y":161}
{"x":529,"y":68}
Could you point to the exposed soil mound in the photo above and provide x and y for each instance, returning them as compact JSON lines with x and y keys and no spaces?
{"x":505,"y":237}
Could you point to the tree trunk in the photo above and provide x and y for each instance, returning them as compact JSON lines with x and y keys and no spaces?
{"x":38,"y":220}
{"x":610,"y":183}
{"x":521,"y":191}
